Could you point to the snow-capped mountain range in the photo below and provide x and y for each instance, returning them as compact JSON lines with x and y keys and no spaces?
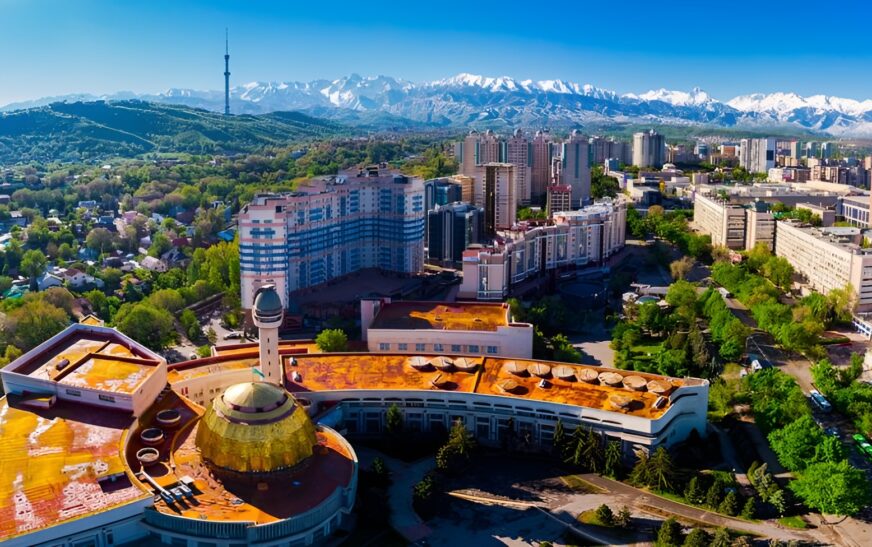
{"x":473,"y":100}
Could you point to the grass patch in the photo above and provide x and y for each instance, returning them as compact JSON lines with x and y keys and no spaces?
{"x":577,"y":483}
{"x":794,"y":521}
{"x":643,"y":351}
{"x":731,"y":371}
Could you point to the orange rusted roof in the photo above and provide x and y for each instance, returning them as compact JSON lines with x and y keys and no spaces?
{"x":107,"y":373}
{"x":56,"y":465}
{"x":434,"y":315}
{"x":220,"y":498}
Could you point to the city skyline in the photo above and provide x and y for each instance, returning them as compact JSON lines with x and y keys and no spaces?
{"x":96,"y":50}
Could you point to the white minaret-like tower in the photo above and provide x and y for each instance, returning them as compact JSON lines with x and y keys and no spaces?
{"x":268,"y":314}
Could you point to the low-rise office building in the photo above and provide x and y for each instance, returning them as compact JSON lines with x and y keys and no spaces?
{"x":457,"y":328}
{"x":828,"y":258}
{"x":724,"y":222}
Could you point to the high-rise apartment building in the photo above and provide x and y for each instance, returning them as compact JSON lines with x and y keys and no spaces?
{"x":757,"y":155}
{"x":519,"y":152}
{"x":649,"y":149}
{"x":479,"y":148}
{"x":451,"y":229}
{"x":559,"y":199}
{"x":495,"y":191}
{"x":331,"y":227}
{"x":540,"y":173}
{"x":441,"y":192}
{"x":576,"y":168}
{"x":603,"y":148}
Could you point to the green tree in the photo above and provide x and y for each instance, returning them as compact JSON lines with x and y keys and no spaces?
{"x":713,"y":496}
{"x":833,"y":488}
{"x":394,"y":420}
{"x":604,"y":515}
{"x":332,"y":341}
{"x":662,"y":470}
{"x":147,"y":325}
{"x":457,"y":451}
{"x":34,"y":322}
{"x":778,"y":500}
{"x":641,"y":473}
{"x":167,"y":299}
{"x":612,"y":459}
{"x":190,"y":324}
{"x":721,"y":538}
{"x":100,"y":240}
{"x":801,"y":443}
{"x":33,"y":265}
{"x":669,"y":534}
{"x":693,"y":493}
{"x":730,"y":505}
{"x":749,"y":510}
{"x":558,"y":441}
{"x":211,"y":336}
{"x":159,"y":245}
{"x":697,"y":538}
{"x":624,"y":517}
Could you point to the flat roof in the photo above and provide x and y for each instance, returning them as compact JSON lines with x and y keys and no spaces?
{"x":57,"y":465}
{"x":365,"y":371}
{"x":108,"y":373}
{"x":439,"y":316}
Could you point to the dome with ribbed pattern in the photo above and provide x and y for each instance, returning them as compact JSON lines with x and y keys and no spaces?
{"x":255,"y":427}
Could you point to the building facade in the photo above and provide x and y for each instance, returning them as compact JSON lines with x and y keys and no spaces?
{"x":496,"y":194}
{"x":519,"y":152}
{"x":451,"y":229}
{"x":757,"y":155}
{"x":456,"y":328}
{"x":649,"y":149}
{"x":725,"y":223}
{"x":559,"y":199}
{"x":828,"y":258}
{"x":540,"y":174}
{"x":575,"y":168}
{"x":575,"y":239}
{"x":331,"y":227}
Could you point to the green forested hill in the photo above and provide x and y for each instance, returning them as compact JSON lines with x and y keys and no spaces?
{"x":95,"y":130}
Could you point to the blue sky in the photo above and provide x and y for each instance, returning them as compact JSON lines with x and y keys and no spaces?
{"x":52,"y":47}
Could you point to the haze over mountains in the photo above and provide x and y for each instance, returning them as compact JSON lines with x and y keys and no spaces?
{"x":467,"y":99}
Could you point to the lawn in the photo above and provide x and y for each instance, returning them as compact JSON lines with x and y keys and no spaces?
{"x":589,"y":517}
{"x":577,"y":483}
{"x":795,"y":521}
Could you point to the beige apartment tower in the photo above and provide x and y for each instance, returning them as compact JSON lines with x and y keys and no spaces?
{"x":725,"y":223}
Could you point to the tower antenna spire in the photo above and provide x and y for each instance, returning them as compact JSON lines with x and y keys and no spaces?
{"x":226,"y":71}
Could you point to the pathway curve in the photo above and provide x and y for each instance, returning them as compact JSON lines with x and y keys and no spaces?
{"x":404,"y":476}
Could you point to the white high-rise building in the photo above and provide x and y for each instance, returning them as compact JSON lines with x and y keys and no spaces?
{"x":649,"y":149}
{"x":576,"y":168}
{"x":757,"y":155}
{"x":330,"y":227}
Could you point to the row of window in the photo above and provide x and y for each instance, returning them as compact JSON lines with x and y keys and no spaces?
{"x":439,"y":348}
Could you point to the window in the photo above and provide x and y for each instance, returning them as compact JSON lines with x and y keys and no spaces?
{"x":492,"y":350}
{"x":473,"y":348}
{"x":438,"y":347}
{"x":384,"y":346}
{"x":402,"y":347}
{"x":107,"y":398}
{"x":455,"y":348}
{"x":419,"y":347}
{"x":74,"y":392}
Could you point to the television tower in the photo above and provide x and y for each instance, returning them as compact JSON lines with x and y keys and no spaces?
{"x":226,"y":73}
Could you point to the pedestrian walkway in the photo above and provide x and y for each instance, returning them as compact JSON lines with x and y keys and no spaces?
{"x":404,"y":477}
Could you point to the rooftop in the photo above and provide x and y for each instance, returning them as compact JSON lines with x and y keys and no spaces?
{"x":59,"y":464}
{"x":325,"y":372}
{"x":437,"y":316}
{"x":108,"y":373}
{"x":220,"y":498}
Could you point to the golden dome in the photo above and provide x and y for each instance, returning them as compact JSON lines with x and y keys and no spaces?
{"x":255,"y":427}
